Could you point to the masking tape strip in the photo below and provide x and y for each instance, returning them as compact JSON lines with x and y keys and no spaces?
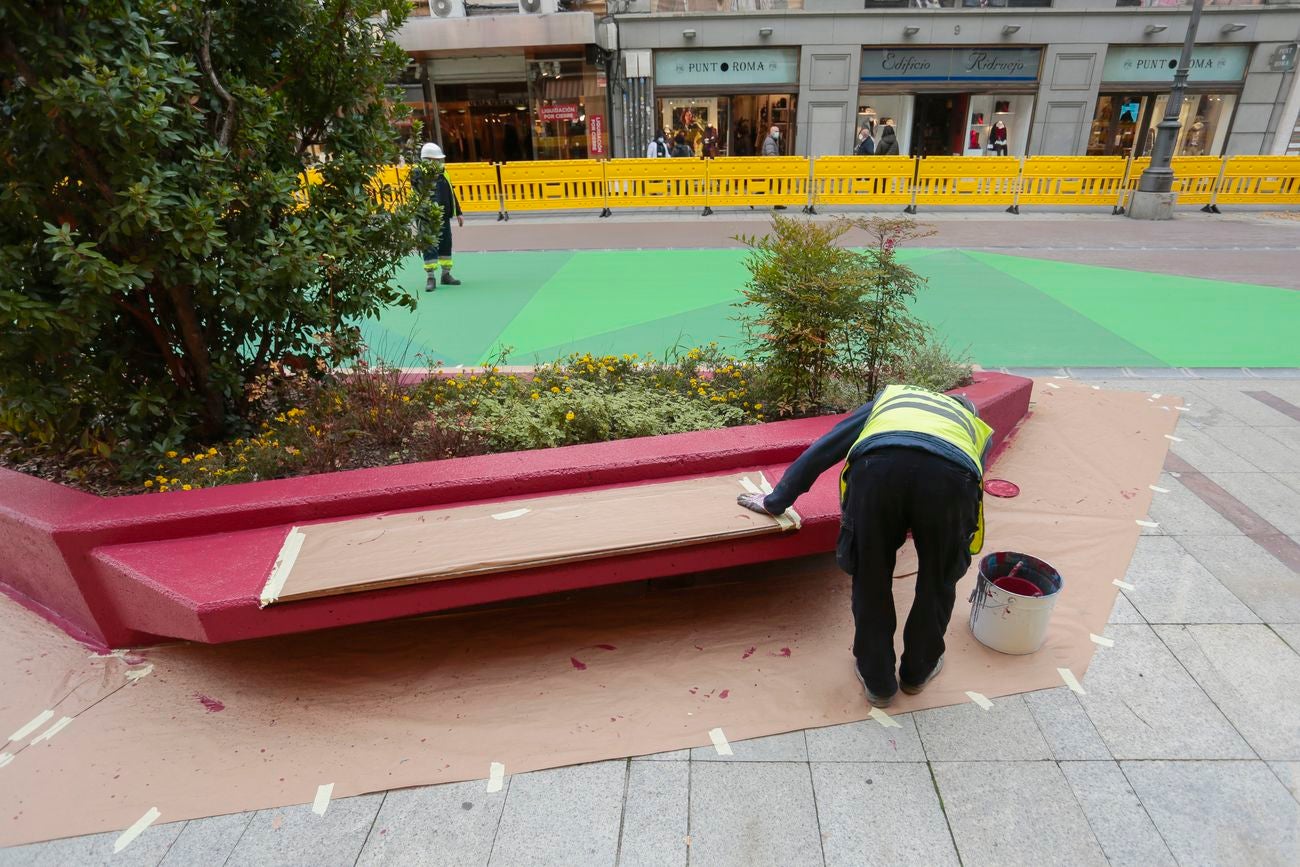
{"x":1071,"y":681}
{"x":283,"y":565}
{"x":1156,"y":396}
{"x":1158,"y":489}
{"x":1151,"y":524}
{"x":1173,"y":438}
{"x":1101,"y":640}
{"x":720,"y":742}
{"x":53,"y":730}
{"x":789,"y":519}
{"x":136,"y":830}
{"x":323,"y":793}
{"x":980,"y":699}
{"x":884,"y":719}
{"x":40,"y":720}
{"x":135,"y":674}
{"x":1096,"y":388}
{"x":506,"y":516}
{"x":748,"y":485}
{"x":496,"y":776}
{"x":1123,"y":585}
{"x":1052,"y":385}
{"x":764,"y":484}
{"x":5,"y":758}
{"x":1182,"y":408}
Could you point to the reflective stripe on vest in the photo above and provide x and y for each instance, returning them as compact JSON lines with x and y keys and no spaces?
{"x":914,"y":410}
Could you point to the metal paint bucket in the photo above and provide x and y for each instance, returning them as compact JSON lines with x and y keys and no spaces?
{"x":1006,"y":621}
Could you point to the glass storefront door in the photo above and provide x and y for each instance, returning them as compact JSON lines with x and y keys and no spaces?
{"x":485,"y":122}
{"x":742,"y":121}
{"x":1119,"y":124}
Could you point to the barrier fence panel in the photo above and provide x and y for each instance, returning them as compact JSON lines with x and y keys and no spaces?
{"x":863,"y":180}
{"x":1195,"y":178}
{"x":760,"y":182}
{"x":477,"y":185}
{"x":655,"y":183}
{"x":967,"y":180}
{"x":553,"y":185}
{"x":390,"y":186}
{"x":1072,"y":181}
{"x":1260,"y":181}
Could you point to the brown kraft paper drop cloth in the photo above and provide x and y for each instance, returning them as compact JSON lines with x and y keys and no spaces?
{"x":596,"y":675}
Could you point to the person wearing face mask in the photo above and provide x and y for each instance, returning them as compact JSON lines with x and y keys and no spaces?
{"x":431,"y":180}
{"x":866,"y":145}
{"x":772,"y":144}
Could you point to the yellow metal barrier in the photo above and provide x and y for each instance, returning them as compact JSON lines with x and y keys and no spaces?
{"x":655,"y":183}
{"x":1195,"y":178}
{"x":1260,"y":181}
{"x":760,"y":182}
{"x":863,"y":180}
{"x":551,"y":185}
{"x":1072,"y":181}
{"x":967,"y":181}
{"x":476,"y":185}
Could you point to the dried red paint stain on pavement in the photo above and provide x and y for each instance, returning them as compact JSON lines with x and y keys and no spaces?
{"x":577,"y":663}
{"x":209,"y":702}
{"x":748,"y":653}
{"x":785,"y":651}
{"x":724,"y":693}
{"x":1001,"y":488}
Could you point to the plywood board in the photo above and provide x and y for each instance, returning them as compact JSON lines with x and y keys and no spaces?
{"x":200,"y":730}
{"x":411,"y":547}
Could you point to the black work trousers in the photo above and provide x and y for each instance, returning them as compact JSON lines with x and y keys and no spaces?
{"x":891,"y":491}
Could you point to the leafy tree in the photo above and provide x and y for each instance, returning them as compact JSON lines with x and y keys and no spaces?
{"x":157,"y":249}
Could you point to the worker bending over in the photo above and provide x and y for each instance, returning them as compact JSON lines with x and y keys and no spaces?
{"x":912,"y":460}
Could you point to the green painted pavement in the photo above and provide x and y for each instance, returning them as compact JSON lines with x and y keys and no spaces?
{"x":1006,"y":311}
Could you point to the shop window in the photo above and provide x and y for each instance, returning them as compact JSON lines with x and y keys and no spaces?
{"x":1203,"y":123}
{"x":729,"y":125}
{"x":723,"y":5}
{"x":485,"y":122}
{"x":564,"y":91}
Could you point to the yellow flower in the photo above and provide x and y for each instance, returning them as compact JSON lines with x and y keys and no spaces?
{"x":536,"y":396}
{"x":568,"y":390}
{"x":175,"y":481}
{"x":555,"y":389}
{"x":186,"y":488}
{"x":185,"y":460}
{"x":171,"y":454}
{"x":569,"y":416}
{"x":406,"y":398}
{"x":758,"y":406}
{"x":148,"y":483}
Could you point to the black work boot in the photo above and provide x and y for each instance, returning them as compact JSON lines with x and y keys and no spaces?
{"x":448,"y":280}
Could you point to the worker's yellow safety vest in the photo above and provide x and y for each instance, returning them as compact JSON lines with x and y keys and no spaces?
{"x":902,"y":408}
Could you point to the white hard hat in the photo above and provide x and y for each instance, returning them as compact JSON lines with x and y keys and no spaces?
{"x":431,"y":151}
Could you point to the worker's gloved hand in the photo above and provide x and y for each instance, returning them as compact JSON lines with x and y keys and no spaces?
{"x":754,"y":502}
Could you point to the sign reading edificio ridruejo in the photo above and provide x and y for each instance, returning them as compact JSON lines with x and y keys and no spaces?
{"x":950,"y":64}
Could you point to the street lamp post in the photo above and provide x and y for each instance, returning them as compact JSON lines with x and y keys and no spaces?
{"x":1157,"y":180}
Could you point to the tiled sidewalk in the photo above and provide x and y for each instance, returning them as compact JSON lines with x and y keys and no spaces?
{"x":1185,"y":750}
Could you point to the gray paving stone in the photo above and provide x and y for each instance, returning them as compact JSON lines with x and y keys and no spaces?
{"x":1171,"y":586}
{"x":753,"y":814}
{"x":1253,"y":575}
{"x":452,"y":824}
{"x":1232,"y":398}
{"x":1180,"y":512}
{"x":1146,"y":706}
{"x":788,"y":747}
{"x":1122,"y":826}
{"x":1290,"y":633}
{"x":297,"y":836}
{"x":1289,"y":775}
{"x":867,"y":741}
{"x":966,"y":733}
{"x":93,"y":850}
{"x":683,"y":755}
{"x":1252,"y":675}
{"x":1260,"y":447}
{"x":655,"y":814}
{"x":1014,"y":813}
{"x":1207,"y":454}
{"x":564,"y":816}
{"x":881,"y":813}
{"x":1274,"y":501}
{"x":1069,"y":733}
{"x":1219,"y":813}
{"x":207,"y":841}
{"x":1124,"y":612}
{"x":1291,"y":480}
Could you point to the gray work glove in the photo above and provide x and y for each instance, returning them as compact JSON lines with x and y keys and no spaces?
{"x":754,"y":502}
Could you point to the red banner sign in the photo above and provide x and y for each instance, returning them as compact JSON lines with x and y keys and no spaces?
{"x":596,"y":135}
{"x":558,"y":112}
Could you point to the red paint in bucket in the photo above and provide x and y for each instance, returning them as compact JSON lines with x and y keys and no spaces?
{"x":1019,"y":586}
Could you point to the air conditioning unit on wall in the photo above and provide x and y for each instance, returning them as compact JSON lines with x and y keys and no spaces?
{"x":447,"y":8}
{"x":538,"y":7}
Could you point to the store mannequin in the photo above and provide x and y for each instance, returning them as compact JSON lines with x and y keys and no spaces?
{"x":1195,"y":144}
{"x":998,"y":139}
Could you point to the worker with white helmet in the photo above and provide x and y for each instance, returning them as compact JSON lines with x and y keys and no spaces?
{"x":431,"y":181}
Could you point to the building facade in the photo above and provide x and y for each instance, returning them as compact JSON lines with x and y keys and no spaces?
{"x":1018,"y":77}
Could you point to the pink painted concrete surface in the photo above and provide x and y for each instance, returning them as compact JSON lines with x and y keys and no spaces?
{"x":128,"y":571}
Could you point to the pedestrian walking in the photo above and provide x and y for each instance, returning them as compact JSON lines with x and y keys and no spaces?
{"x":888,"y":144}
{"x":911,"y":459}
{"x":866,"y":145}
{"x":430,"y":178}
{"x":680,"y":147}
{"x":657,"y":148}
{"x":772,"y":144}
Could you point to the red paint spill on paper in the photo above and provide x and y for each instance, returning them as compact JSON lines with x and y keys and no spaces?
{"x":209,"y":702}
{"x":697,"y":647}
{"x":785,"y":651}
{"x":606,"y":647}
{"x":1128,"y":495}
{"x":724,"y":693}
{"x":577,"y":663}
{"x":748,"y":653}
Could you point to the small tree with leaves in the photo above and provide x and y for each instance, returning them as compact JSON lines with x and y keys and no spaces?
{"x":157,"y":250}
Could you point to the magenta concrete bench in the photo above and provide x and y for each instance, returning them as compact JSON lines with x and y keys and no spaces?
{"x":131,"y":570}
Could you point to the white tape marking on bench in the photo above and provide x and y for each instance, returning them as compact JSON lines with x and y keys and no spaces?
{"x":283,"y":566}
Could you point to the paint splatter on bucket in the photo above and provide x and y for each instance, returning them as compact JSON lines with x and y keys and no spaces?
{"x":1012,"y":602}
